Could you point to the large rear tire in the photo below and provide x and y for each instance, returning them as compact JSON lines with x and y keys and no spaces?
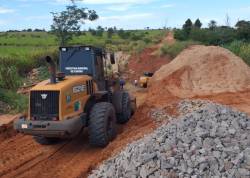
{"x":102,"y":124}
{"x":122,"y":104}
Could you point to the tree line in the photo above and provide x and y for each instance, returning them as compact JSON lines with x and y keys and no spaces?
{"x":99,"y":31}
{"x":214,"y":34}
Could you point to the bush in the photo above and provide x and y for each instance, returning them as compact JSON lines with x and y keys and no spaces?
{"x":218,"y":36}
{"x":9,"y":77}
{"x":17,"y":102}
{"x":139,"y":46}
{"x":241,"y":49}
{"x":123,"y":34}
{"x":180,"y":35}
{"x":174,"y":49}
{"x":136,"y":37}
{"x":147,"y":40}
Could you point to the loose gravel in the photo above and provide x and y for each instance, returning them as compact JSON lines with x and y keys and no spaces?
{"x":206,"y":140}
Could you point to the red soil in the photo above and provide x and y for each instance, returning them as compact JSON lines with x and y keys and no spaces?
{"x":147,"y":61}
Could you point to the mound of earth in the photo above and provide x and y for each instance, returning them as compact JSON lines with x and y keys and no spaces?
{"x":201,"y":70}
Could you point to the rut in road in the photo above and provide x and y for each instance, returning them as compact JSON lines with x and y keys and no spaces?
{"x":22,"y":153}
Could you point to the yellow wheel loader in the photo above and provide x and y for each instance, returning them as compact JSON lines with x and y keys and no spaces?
{"x":145,"y":79}
{"x":80,"y":95}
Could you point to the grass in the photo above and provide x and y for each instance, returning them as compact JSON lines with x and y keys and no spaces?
{"x":25,"y":44}
{"x":174,"y":49}
{"x":25,"y":49}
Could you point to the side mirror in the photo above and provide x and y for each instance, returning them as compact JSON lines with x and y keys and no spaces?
{"x":112,"y":58}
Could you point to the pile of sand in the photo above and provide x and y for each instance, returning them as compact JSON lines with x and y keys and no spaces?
{"x":202,"y":70}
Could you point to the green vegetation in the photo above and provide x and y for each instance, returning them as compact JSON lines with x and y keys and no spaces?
{"x":68,"y":22}
{"x":17,"y":102}
{"x":174,"y":49}
{"x":241,"y":49}
{"x":235,"y":39}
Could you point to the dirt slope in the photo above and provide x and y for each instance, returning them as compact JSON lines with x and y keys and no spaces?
{"x":145,"y":62}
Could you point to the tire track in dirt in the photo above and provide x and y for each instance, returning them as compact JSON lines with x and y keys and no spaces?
{"x":21,"y":153}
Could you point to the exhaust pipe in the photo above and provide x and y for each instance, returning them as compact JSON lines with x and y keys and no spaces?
{"x":52,"y":69}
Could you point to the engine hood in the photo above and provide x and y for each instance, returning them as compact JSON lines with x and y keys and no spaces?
{"x":61,"y":85}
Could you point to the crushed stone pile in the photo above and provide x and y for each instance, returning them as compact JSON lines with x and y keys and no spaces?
{"x":207,"y":140}
{"x":202,"y":70}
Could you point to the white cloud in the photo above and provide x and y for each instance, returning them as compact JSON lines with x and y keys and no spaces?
{"x":4,"y":10}
{"x":39,"y":17}
{"x":168,"y":5}
{"x":127,"y":17}
{"x":124,"y":7}
{"x":126,"y":21}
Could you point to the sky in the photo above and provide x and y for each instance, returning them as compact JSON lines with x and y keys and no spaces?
{"x":126,"y":14}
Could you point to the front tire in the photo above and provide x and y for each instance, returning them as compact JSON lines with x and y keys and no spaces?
{"x":102,"y":124}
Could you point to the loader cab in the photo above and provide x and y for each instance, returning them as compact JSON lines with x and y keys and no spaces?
{"x":83,"y":60}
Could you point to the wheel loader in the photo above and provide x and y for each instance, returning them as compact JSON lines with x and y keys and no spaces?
{"x":145,"y":79}
{"x":80,"y":95}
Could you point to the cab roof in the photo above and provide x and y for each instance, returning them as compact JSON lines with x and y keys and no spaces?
{"x":95,"y":49}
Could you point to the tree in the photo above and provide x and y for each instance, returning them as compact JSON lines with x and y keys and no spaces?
{"x":110,"y":32}
{"x":198,"y":24}
{"x":123,"y":34}
{"x":227,"y":21}
{"x":92,"y":31}
{"x":187,"y":27}
{"x":99,"y":31}
{"x":212,"y":24}
{"x":243,"y":30}
{"x":68,"y":22}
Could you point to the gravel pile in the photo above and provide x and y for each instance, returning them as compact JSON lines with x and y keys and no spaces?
{"x":159,"y":115}
{"x":207,"y":140}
